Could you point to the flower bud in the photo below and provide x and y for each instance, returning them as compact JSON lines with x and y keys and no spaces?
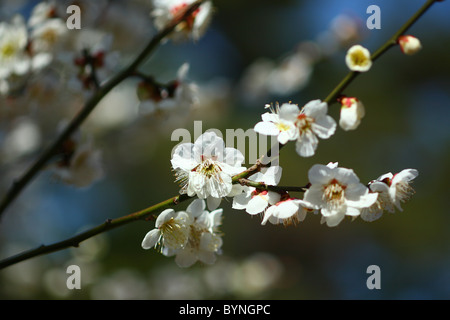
{"x":358,"y":59}
{"x":352,"y":111}
{"x":409,"y":44}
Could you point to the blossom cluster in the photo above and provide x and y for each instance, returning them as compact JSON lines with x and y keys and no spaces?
{"x":192,"y":235}
{"x":207,"y":169}
{"x":210,"y":171}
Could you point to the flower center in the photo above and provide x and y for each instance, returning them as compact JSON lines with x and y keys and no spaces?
{"x":208,"y":168}
{"x":282,"y":126}
{"x":175,"y":234}
{"x":50,"y":36}
{"x":195,"y":236}
{"x":404,"y":191}
{"x":304,"y":122}
{"x":359,"y":58}
{"x":8,"y":50}
{"x":334,"y":193}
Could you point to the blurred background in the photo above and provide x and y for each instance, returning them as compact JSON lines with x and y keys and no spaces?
{"x":253,"y":53}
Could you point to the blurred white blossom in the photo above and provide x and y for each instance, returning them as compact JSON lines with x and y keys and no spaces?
{"x":165,"y":11}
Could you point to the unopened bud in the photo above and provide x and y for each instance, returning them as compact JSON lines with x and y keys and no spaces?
{"x":352,"y":111}
{"x":409,"y":44}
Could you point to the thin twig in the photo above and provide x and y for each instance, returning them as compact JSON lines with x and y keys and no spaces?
{"x":331,"y":98}
{"x":263,"y":186}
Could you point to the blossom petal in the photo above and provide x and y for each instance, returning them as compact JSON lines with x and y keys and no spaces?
{"x":196,"y":207}
{"x":324,"y":127}
{"x":213,"y":203}
{"x":186,"y":257}
{"x":319,"y":174}
{"x":315,"y":109}
{"x":270,"y":117}
{"x":289,"y":112}
{"x":364,"y":201}
{"x":151,"y":239}
{"x":306,"y":144}
{"x":256,"y":205}
{"x":334,"y":220}
{"x":164,"y":216}
{"x":240,"y":201}
{"x":266,"y":128}
{"x":286,"y":209}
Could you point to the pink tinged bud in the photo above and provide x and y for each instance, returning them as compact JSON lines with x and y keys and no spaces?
{"x":352,"y":111}
{"x":409,"y":44}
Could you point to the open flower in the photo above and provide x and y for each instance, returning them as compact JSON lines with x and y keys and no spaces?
{"x":288,"y":211}
{"x":313,"y":122}
{"x":16,"y":59}
{"x":204,"y":240}
{"x":400,"y":188}
{"x":289,"y":123}
{"x":205,"y":168}
{"x":392,"y":191}
{"x":191,"y":235}
{"x":255,"y":201}
{"x":171,"y":231}
{"x":279,"y":122}
{"x":48,"y":35}
{"x":352,"y":111}
{"x":13,"y":42}
{"x":337,"y":192}
{"x":383,"y":202}
{"x":194,"y":26}
{"x":358,"y":59}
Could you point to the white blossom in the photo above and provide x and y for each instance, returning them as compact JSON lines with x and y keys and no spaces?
{"x":42,"y":12}
{"x":255,"y":201}
{"x":400,"y":186}
{"x":313,"y":122}
{"x":392,"y":190}
{"x":13,"y":41}
{"x":48,"y":35}
{"x":164,"y":11}
{"x":80,"y":167}
{"x":192,"y":235}
{"x":358,"y":59}
{"x":17,"y":61}
{"x":205,"y":168}
{"x":204,"y":240}
{"x":289,"y":123}
{"x":279,"y":122}
{"x":171,"y":231}
{"x":337,"y":192}
{"x":288,"y":211}
{"x":352,"y":111}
